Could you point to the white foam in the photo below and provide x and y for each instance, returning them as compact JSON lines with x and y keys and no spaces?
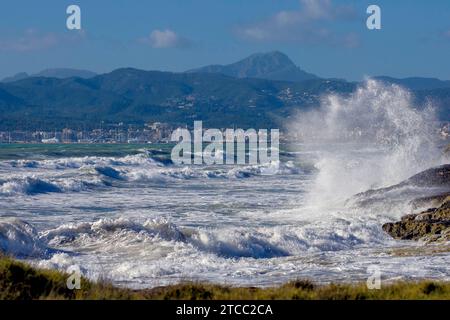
{"x":20,"y":239}
{"x":33,"y":185}
{"x":140,"y":223}
{"x":373,"y":138}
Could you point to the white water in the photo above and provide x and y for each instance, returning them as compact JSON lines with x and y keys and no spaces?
{"x":374,"y":138}
{"x":141,"y":223}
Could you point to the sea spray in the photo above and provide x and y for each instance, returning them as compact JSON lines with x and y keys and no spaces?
{"x":372,"y":138}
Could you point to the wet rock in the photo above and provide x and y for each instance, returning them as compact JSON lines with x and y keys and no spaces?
{"x":430,"y":226}
{"x":426,"y":189}
{"x":433,"y":201}
{"x":435,"y":177}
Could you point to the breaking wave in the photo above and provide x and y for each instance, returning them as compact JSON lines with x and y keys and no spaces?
{"x":375,"y":137}
{"x":33,"y":177}
{"x":33,"y":185}
{"x":21,"y":239}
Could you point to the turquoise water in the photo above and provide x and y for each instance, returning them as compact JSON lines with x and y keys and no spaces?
{"x":36,"y":151}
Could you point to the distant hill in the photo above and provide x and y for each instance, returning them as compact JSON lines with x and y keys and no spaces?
{"x":59,"y":73}
{"x":261,"y":91}
{"x":271,"y":66}
{"x":136,"y":96}
{"x":417,"y":83}
{"x":16,"y":77}
{"x":9,"y":101}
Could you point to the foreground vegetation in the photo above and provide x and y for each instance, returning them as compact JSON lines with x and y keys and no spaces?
{"x":21,"y":281}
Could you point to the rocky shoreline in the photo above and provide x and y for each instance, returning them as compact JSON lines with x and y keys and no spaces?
{"x":433,"y":224}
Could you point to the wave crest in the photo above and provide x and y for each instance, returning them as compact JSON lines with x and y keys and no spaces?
{"x":20,"y":239}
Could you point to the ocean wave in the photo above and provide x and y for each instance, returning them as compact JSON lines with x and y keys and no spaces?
{"x":33,"y":185}
{"x":162,"y":173}
{"x":33,"y":177}
{"x":273,"y":242}
{"x":28,"y":185}
{"x":237,"y":242}
{"x":110,"y":172}
{"x":231,"y":171}
{"x":117,"y":231}
{"x":122,"y":235}
{"x":20,"y":239}
{"x":80,"y":162}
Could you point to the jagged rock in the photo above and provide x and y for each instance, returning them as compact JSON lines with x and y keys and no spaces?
{"x":435,"y":177}
{"x":435,"y":180}
{"x":430,"y":226}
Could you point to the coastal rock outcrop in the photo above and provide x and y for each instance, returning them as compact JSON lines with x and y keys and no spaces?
{"x":435,"y":177}
{"x":431,"y":225}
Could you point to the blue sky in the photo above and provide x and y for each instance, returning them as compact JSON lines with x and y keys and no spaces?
{"x":325,"y":37}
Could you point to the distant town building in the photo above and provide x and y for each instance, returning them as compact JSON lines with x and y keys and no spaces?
{"x":51,"y":140}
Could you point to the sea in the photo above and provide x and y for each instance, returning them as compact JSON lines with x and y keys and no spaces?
{"x":126,"y":214}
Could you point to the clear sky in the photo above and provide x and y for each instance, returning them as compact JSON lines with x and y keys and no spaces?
{"x":325,"y":37}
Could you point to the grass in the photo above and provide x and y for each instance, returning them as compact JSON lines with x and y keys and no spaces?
{"x":20,"y":281}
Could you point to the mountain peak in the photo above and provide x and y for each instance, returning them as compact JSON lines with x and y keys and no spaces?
{"x":272,"y":55}
{"x":259,"y":64}
{"x":273,"y":65}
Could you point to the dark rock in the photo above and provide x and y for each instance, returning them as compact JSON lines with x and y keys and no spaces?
{"x":435,"y":180}
{"x":430,"y":225}
{"x":435,"y":177}
{"x":433,"y":201}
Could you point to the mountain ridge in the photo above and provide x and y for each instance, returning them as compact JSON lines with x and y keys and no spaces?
{"x":273,"y":65}
{"x":131,"y":95}
{"x":135,"y":96}
{"x":59,"y":73}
